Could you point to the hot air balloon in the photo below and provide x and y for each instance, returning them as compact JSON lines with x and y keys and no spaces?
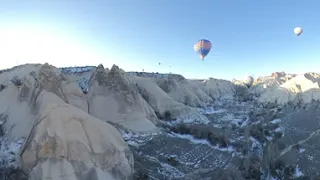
{"x":298,"y":31}
{"x":202,"y":47}
{"x":248,"y":81}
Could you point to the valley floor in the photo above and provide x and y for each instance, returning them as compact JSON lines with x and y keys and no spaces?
{"x":240,"y":136}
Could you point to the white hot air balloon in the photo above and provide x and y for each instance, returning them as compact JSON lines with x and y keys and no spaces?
{"x":298,"y":31}
{"x":248,"y":81}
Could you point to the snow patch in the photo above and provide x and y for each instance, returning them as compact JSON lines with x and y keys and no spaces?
{"x":9,"y":151}
{"x":73,"y":70}
{"x":276,"y":121}
{"x":298,"y":172}
{"x":188,"y":121}
{"x":170,"y":171}
{"x":147,"y":74}
{"x":137,"y":139}
{"x":301,"y":150}
{"x":200,"y":141}
{"x":279,"y":129}
{"x":211,"y":110}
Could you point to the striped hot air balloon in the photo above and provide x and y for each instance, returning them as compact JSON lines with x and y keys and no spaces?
{"x":202,"y":47}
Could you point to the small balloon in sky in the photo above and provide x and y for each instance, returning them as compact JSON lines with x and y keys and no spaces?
{"x":248,"y":81}
{"x":202,"y":47}
{"x":298,"y":31}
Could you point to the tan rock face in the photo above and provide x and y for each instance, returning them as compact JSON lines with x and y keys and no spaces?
{"x":50,"y":79}
{"x":75,"y":96}
{"x":183,"y":91}
{"x":165,"y":106}
{"x":113,"y":97}
{"x":67,"y":131}
{"x":67,"y":136}
{"x":216,"y":88}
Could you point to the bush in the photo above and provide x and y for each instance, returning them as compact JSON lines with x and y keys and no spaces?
{"x":139,"y":175}
{"x":172,"y":161}
{"x":251,"y":167}
{"x":257,"y":132}
{"x":181,"y":129}
{"x":167,"y":115}
{"x":16,"y":81}
{"x":3,"y":119}
{"x":12,"y":174}
{"x":278,"y":135}
{"x":158,"y":115}
{"x":289,"y":172}
{"x":2,"y":87}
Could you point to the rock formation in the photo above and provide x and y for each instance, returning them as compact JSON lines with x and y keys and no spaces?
{"x":67,"y":120}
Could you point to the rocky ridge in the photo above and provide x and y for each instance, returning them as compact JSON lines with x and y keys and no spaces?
{"x":75,"y":117}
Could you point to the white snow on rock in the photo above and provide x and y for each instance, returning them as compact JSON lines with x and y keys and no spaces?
{"x":282,"y":88}
{"x":9,"y":152}
{"x":298,"y":172}
{"x":200,"y":141}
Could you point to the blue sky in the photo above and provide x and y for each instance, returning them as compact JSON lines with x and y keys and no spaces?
{"x":249,"y":37}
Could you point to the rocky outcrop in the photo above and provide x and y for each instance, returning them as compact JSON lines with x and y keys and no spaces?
{"x":65,"y":116}
{"x":165,"y":106}
{"x":183,"y":91}
{"x":113,"y":97}
{"x":75,"y":96}
{"x":300,"y":88}
{"x":216,"y":88}
{"x":73,"y":144}
{"x":63,"y":140}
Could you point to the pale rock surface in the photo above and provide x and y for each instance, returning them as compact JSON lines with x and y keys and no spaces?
{"x":18,"y":101}
{"x":200,"y":93}
{"x":17,"y":113}
{"x":183,"y":91}
{"x":19,"y":96}
{"x":295,"y":88}
{"x":75,"y":96}
{"x":113,"y":97}
{"x":217,"y":88}
{"x":72,"y":143}
{"x":165,"y":106}
{"x":262,"y":84}
{"x":67,"y":143}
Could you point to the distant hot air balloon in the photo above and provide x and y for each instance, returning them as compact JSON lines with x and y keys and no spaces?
{"x":159,"y":64}
{"x":298,"y":31}
{"x":202,"y":47}
{"x":248,"y":81}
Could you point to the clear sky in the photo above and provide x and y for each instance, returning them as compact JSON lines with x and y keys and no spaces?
{"x":249,"y":37}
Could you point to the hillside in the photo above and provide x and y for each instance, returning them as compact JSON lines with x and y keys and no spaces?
{"x":101,"y":123}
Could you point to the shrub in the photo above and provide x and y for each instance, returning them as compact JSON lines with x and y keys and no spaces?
{"x":16,"y":81}
{"x":158,"y":115}
{"x":167,"y":115}
{"x":278,"y":135}
{"x":139,"y":175}
{"x":2,"y":87}
{"x":172,"y":161}
{"x":181,"y":129}
{"x":257,"y":132}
